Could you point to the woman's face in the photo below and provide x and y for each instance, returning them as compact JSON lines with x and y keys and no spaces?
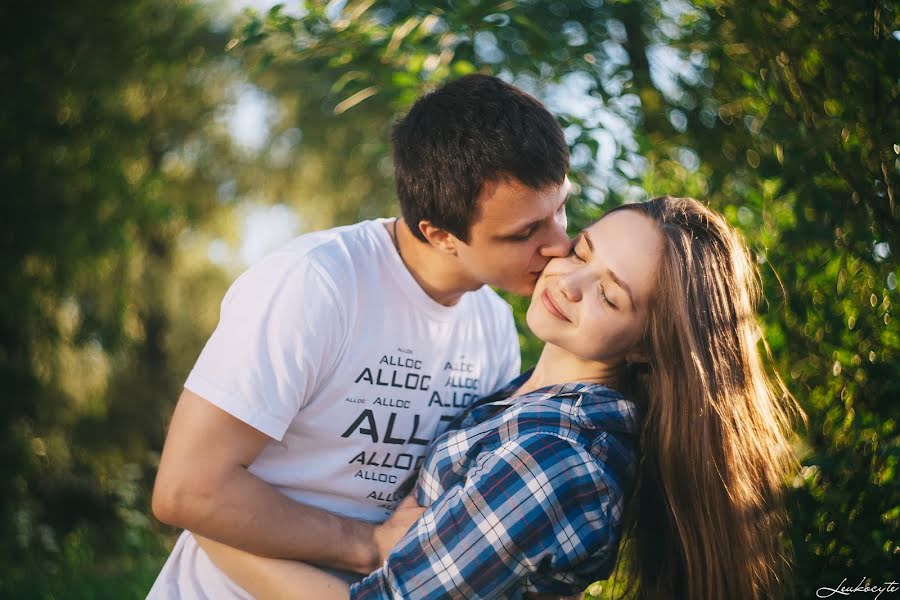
{"x":595,"y":302}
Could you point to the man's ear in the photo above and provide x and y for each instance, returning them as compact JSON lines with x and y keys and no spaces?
{"x":440,"y":239}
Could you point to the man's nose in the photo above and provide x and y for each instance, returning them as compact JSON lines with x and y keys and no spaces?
{"x":557,"y":243}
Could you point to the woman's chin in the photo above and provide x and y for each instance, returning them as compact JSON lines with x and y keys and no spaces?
{"x":541,"y":329}
{"x":531,"y":321}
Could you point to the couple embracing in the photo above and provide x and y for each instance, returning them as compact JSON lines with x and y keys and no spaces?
{"x":357,"y":424}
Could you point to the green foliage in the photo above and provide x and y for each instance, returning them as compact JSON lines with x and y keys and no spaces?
{"x":79,"y":571}
{"x":801,"y":150}
{"x":782,"y":114}
{"x":109,"y":154}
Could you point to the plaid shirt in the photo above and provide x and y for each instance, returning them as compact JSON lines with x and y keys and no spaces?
{"x":524,"y":494}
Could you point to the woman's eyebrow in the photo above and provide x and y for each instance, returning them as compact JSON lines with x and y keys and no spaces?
{"x":622,"y":285}
{"x":584,"y":235}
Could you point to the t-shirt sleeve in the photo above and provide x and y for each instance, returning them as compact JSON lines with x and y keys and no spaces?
{"x":280,"y":331}
{"x":534,"y":502}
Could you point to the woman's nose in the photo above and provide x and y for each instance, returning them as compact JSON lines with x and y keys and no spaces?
{"x":569,"y":286}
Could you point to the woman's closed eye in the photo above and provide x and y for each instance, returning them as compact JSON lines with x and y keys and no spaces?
{"x":605,"y":299}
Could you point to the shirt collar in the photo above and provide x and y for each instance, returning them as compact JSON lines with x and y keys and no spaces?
{"x":597,"y":404}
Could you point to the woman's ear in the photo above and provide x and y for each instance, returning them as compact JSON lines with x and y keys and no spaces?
{"x":440,"y":239}
{"x":636,"y":356}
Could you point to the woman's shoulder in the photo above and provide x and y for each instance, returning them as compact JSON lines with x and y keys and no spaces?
{"x":601,"y":425}
{"x":580,"y":407}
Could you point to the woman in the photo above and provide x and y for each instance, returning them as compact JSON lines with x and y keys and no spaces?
{"x":527,"y":495}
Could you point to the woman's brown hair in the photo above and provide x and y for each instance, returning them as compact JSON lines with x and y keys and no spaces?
{"x":707,"y":514}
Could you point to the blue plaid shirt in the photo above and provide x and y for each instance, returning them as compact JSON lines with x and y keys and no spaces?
{"x":524,"y":494}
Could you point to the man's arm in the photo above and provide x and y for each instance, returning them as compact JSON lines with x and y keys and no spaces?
{"x":273,"y":578}
{"x":203,"y":485}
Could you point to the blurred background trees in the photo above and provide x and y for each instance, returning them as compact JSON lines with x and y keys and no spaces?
{"x":111,"y":158}
{"x":137,"y":188}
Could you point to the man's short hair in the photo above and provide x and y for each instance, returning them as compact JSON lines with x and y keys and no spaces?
{"x":473,"y":130}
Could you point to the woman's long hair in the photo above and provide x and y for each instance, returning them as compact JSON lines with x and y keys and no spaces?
{"x":707,"y":513}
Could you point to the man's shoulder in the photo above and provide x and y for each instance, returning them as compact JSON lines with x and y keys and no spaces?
{"x":346,"y":241}
{"x":330,"y":253}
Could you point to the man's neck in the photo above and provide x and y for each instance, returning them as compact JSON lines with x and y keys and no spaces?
{"x":435,"y":273}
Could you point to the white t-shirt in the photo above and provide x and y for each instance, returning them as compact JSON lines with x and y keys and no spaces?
{"x":330,"y":347}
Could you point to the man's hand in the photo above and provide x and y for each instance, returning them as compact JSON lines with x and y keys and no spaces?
{"x":391,"y":531}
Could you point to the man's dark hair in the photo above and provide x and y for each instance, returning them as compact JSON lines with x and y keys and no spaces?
{"x":470,"y":131}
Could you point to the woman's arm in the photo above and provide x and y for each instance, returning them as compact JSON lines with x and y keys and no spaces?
{"x":537,"y":501}
{"x":274,"y":578}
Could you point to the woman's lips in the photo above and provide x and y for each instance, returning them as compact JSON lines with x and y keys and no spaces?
{"x":551,"y":306}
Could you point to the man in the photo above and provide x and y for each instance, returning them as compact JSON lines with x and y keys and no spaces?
{"x":338,"y":358}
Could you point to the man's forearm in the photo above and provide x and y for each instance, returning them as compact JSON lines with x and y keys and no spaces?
{"x":247,"y":513}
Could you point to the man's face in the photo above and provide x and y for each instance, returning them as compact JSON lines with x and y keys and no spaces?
{"x":517,"y":231}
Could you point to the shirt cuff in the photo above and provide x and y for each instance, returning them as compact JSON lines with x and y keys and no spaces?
{"x":373,"y":587}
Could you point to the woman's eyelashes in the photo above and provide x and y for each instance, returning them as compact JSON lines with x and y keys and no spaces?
{"x":574,"y":253}
{"x":605,"y":299}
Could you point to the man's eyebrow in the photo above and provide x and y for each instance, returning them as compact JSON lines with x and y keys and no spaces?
{"x":532,"y":224}
{"x":609,"y":272}
{"x":520,"y":230}
{"x":523,"y":228}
